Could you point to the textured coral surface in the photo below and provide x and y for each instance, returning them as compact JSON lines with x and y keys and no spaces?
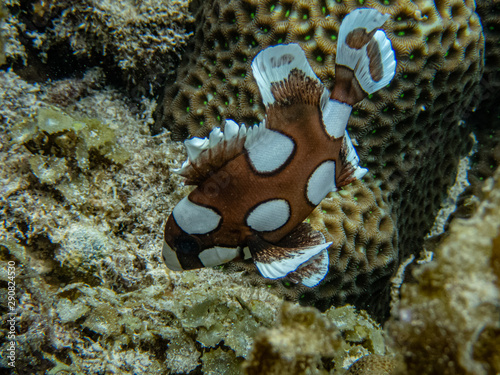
{"x":136,"y":42}
{"x":450,"y":316}
{"x":409,"y":135}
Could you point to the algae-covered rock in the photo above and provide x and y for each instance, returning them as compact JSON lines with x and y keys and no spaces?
{"x":307,"y":342}
{"x":58,"y":134}
{"x":448,"y":322}
{"x":137,"y":43}
{"x":218,"y":361}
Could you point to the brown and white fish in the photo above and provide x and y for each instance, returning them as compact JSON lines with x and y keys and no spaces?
{"x":256,"y":185}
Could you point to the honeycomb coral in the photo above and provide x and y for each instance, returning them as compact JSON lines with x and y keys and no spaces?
{"x":409,"y":135}
{"x":485,"y":119}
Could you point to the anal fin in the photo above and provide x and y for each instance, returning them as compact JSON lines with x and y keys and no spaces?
{"x":295,"y":250}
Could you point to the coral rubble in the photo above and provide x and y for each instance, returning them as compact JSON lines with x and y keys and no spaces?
{"x":305,"y":341}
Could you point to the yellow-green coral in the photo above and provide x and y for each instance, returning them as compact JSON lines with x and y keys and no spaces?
{"x":57,"y":133}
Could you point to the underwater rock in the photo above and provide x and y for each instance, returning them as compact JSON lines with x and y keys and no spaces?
{"x":137,"y":42}
{"x":450,"y":315}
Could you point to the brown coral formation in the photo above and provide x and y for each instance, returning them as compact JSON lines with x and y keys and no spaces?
{"x":409,"y":135}
{"x":485,"y":119}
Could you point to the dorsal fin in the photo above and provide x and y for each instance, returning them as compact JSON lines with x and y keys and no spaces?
{"x":207,"y":155}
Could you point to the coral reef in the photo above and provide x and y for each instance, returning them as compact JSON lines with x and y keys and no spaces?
{"x":139,"y":41}
{"x":409,"y":135}
{"x":450,"y":315}
{"x":84,"y":229}
{"x":92,"y":293}
{"x":307,"y":342}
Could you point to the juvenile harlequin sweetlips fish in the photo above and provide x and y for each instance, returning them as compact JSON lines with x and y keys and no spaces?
{"x":256,"y":185}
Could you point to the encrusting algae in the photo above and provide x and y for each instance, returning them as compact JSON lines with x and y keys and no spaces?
{"x":84,"y":190}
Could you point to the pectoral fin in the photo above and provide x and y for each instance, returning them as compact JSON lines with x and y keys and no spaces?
{"x":313,"y":271}
{"x":292,"y":252}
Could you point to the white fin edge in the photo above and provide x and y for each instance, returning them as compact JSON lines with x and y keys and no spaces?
{"x":362,"y":71}
{"x":282,"y":267}
{"x":353,"y":158}
{"x":358,"y":60}
{"x":275,"y":63}
{"x":321,"y":262}
{"x":195,"y":146}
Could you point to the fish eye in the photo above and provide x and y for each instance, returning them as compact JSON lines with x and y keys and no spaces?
{"x":187,"y":245}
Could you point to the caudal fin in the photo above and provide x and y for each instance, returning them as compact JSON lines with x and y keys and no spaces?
{"x":365,"y":58}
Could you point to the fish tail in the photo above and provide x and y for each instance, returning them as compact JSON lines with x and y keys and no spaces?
{"x":365,"y":60}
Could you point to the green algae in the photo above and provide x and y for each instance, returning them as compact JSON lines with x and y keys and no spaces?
{"x":58,"y":134}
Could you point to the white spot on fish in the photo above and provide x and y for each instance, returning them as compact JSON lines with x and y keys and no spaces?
{"x":269,"y":216}
{"x":217,"y":255}
{"x":321,"y":182}
{"x":170,"y":258}
{"x":270,"y":152}
{"x":195,"y":219}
